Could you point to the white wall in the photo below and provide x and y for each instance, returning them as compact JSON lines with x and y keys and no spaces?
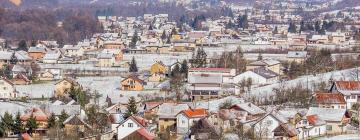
{"x":6,"y":90}
{"x":266,"y":126}
{"x":256,"y":79}
{"x":124,"y":129}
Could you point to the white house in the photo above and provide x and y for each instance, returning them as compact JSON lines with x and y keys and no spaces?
{"x":186,"y":118}
{"x":52,"y":57}
{"x":311,"y":126}
{"x":274,"y":126}
{"x":7,"y":89}
{"x":130,"y":125}
{"x":73,"y":50}
{"x":259,"y":76}
{"x":350,"y":90}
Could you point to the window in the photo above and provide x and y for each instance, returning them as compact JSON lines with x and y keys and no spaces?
{"x":130,"y":124}
{"x":4,"y":88}
{"x":182,"y":121}
{"x":268,"y":122}
{"x":315,"y":130}
{"x":328,"y":127}
{"x":353,"y":97}
{"x":347,"y":97}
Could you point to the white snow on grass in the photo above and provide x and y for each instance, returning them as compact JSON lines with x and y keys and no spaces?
{"x":11,"y":108}
{"x":36,"y":90}
{"x":309,"y":80}
{"x":342,"y":137}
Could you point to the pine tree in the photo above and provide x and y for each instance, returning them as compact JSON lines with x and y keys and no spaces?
{"x":18,"y":126}
{"x":22,"y":46}
{"x":51,"y":121}
{"x":134,"y":40}
{"x":13,"y":59}
{"x":63,"y":116}
{"x":8,"y":122}
{"x":150,"y":27}
{"x":163,"y":36}
{"x":317,"y":26}
{"x":184,"y":68}
{"x":6,"y":71}
{"x":168,"y":41}
{"x":31,"y":124}
{"x":292,"y":28}
{"x":275,"y":31}
{"x":173,"y":31}
{"x":199,"y":60}
{"x":175,"y":71}
{"x":302,"y":26}
{"x":243,"y":21}
{"x":131,"y":108}
{"x":133,"y":67}
{"x":260,"y":57}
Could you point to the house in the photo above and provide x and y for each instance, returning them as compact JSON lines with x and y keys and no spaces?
{"x":157,"y":77}
{"x":37,"y":52}
{"x":274,"y":126}
{"x":40,"y":117}
{"x":21,"y":69}
{"x":140,"y":134}
{"x":7,"y":89}
{"x":51,"y":57}
{"x":311,"y":126}
{"x":253,"y":111}
{"x":335,"y":119}
{"x":270,"y":64}
{"x":337,"y":37}
{"x":349,"y":89}
{"x":167,"y":115}
{"x":204,"y":86}
{"x":21,"y":79}
{"x":115,"y":119}
{"x":319,"y":39}
{"x":106,"y":60}
{"x":328,"y":100}
{"x":296,"y":56}
{"x":128,"y":126}
{"x":226,"y":74}
{"x":73,"y":50}
{"x":63,"y":85}
{"x":258,"y":76}
{"x":186,"y":118}
{"x":132,"y":83}
{"x":151,"y":108}
{"x":158,"y":67}
{"x":46,"y":76}
{"x":75,"y":124}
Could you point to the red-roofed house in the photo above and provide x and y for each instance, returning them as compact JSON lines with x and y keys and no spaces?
{"x":140,"y":134}
{"x":349,"y":89}
{"x":40,"y":117}
{"x":185,"y":119}
{"x":128,"y":126}
{"x":311,"y":126}
{"x":329,"y":100}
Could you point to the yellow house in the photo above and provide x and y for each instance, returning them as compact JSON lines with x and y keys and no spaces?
{"x":158,"y":67}
{"x":46,"y":76}
{"x":132,"y":83}
{"x":63,"y":85}
{"x":157,"y":77}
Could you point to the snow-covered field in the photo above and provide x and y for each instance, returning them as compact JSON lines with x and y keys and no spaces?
{"x":12,"y":108}
{"x":342,"y":137}
{"x":310,"y":81}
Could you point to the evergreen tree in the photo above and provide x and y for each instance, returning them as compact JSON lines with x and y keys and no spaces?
{"x":150,"y":27}
{"x":63,"y":116}
{"x":8,"y":123}
{"x":174,"y":31}
{"x":175,"y":71}
{"x":163,"y":36}
{"x":51,"y":121}
{"x":199,"y":60}
{"x":317,"y":26}
{"x":243,"y":21}
{"x":133,"y":67}
{"x":310,"y":27}
{"x":134,"y":40}
{"x":131,"y":108}
{"x":322,"y":31}
{"x":260,"y":57}
{"x":2,"y":129}
{"x":22,"y":46}
{"x":18,"y":126}
{"x":13,"y":59}
{"x":275,"y":31}
{"x":31,"y":124}
{"x":6,"y":71}
{"x":302,"y":26}
{"x":292,"y":28}
{"x":184,"y":68}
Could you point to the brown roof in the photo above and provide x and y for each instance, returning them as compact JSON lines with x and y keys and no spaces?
{"x":348,"y":85}
{"x":329,"y":98}
{"x":37,"y":113}
{"x":135,"y":78}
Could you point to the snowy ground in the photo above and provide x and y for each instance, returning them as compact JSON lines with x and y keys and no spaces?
{"x":12,"y":108}
{"x":310,"y":80}
{"x":342,"y":137}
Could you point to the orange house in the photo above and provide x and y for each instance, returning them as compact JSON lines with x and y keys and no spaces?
{"x":132,"y":83}
{"x":36,"y":52}
{"x":40,"y":117}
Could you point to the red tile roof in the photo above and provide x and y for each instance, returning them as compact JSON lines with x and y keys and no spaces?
{"x":195,"y":113}
{"x":329,"y":98}
{"x":37,"y":113}
{"x":140,"y":120}
{"x":145,"y":134}
{"x":312,"y":119}
{"x":348,"y":85}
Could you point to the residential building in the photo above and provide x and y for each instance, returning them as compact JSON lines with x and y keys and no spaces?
{"x":64,"y":85}
{"x":186,"y":119}
{"x":132,"y":83}
{"x":167,"y":115}
{"x":336,"y":119}
{"x":7,"y":89}
{"x":349,"y":89}
{"x":329,"y":100}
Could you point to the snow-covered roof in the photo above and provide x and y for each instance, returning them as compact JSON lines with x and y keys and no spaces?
{"x":5,"y":55}
{"x":327,"y":114}
{"x":264,"y":72}
{"x":250,"y":108}
{"x":105,"y":56}
{"x":52,"y":56}
{"x":170,"y":110}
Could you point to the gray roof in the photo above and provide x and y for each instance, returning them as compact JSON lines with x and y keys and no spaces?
{"x":205,"y":78}
{"x":37,"y":49}
{"x":327,"y":114}
{"x":250,"y":108}
{"x":170,"y":110}
{"x":69,"y":109}
{"x":105,"y":56}
{"x":264,"y":72}
{"x":52,"y":56}
{"x":22,"y":55}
